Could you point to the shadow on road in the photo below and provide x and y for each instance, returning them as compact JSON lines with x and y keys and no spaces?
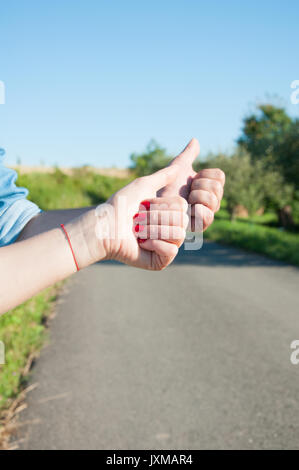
{"x":214,"y":254}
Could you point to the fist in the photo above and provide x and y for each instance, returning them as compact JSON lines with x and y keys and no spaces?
{"x":203,"y":190}
{"x":205,"y":197}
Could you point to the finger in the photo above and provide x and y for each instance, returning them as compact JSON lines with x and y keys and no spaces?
{"x":189,"y":154}
{"x":173,"y":234}
{"x":162,"y":217}
{"x":163,"y":253}
{"x":202,"y":218}
{"x":213,"y":186}
{"x":161,"y":178}
{"x":176,"y":203}
{"x":212,"y":173}
{"x":208,"y":199}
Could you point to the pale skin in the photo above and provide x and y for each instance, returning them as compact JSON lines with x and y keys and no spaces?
{"x":42,"y":255}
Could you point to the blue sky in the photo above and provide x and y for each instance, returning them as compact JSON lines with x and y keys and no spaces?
{"x":91,"y":81}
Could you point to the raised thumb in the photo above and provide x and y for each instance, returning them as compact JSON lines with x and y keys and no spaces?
{"x":188,"y":155}
{"x":163,"y":177}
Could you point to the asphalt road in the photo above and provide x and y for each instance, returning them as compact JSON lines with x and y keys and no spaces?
{"x":195,"y":357}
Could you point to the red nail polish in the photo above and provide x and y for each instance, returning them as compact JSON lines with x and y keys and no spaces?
{"x":139,"y":228}
{"x":146,"y":204}
{"x":141,"y":240}
{"x":140,"y":216}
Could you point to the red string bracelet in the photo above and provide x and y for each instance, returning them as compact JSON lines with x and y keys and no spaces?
{"x":69,"y":241}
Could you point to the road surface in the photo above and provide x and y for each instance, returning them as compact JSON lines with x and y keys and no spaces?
{"x":194,"y":357}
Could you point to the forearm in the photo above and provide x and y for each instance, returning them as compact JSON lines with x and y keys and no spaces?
{"x":49,"y":220}
{"x":38,"y":261}
{"x":31,"y":265}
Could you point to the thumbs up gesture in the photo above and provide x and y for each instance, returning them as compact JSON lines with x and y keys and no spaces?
{"x":140,"y":229}
{"x":203,"y":190}
{"x":145,"y":223}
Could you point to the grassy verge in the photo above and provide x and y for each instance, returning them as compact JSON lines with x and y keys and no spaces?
{"x":252,"y":236}
{"x":61,"y":191}
{"x":23,"y":331}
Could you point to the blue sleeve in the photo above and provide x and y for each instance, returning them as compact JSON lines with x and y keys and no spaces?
{"x":15,"y":209}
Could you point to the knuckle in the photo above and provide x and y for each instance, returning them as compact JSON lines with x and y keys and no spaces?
{"x":217,"y":187}
{"x":214,"y":201}
{"x":220,"y":175}
{"x":209,"y":217}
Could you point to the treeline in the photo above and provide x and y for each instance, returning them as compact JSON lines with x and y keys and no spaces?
{"x":262,"y":174}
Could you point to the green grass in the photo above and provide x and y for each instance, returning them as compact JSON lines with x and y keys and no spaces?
{"x":273,"y":242}
{"x":23,"y":331}
{"x":61,"y":191}
{"x":258,"y":233}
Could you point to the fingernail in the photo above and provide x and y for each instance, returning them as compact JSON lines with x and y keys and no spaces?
{"x":139,"y":228}
{"x":140,"y":216}
{"x":146,"y":204}
{"x":141,"y":240}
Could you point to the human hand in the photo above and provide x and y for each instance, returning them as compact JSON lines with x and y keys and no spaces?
{"x":140,"y":229}
{"x":205,"y":197}
{"x":203,"y":190}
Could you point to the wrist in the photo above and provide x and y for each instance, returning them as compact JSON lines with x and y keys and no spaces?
{"x":87,"y":246}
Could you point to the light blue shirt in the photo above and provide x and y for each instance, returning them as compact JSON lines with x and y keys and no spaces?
{"x":15,"y":209}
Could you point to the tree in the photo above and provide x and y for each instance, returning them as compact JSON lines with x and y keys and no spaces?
{"x":243,"y":187}
{"x":289,"y":154}
{"x":154,"y":158}
{"x":272,"y":136}
{"x":250,"y":184}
